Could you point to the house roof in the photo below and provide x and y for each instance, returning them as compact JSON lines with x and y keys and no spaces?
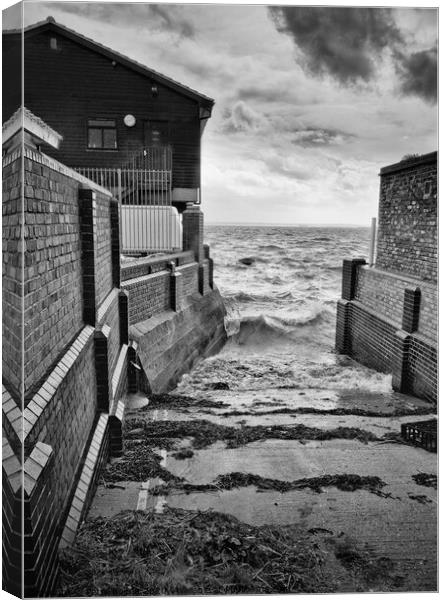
{"x":50,"y":24}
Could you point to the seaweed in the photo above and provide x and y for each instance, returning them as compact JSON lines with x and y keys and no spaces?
{"x":206,"y":433}
{"x":426,"y":479}
{"x":187,"y":552}
{"x":345,"y":482}
{"x":309,"y":410}
{"x":138,"y":463}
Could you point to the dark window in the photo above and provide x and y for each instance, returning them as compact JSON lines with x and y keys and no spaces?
{"x":102,"y":134}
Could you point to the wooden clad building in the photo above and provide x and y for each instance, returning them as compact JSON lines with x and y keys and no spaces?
{"x":107,"y":107}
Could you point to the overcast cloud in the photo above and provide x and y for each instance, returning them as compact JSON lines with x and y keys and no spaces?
{"x":310,"y":102}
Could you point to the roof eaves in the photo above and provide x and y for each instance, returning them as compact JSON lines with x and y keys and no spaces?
{"x":131,"y":63}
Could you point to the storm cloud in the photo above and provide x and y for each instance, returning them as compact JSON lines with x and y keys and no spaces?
{"x":418,"y":74}
{"x":348,"y":44}
{"x":342,"y":42}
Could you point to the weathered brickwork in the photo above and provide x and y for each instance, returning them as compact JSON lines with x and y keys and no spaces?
{"x":131,"y":269}
{"x":422,"y":373}
{"x":148,"y":295}
{"x":70,"y":239}
{"x":370,"y":339}
{"x":12,"y":528}
{"x":407,"y":223}
{"x":102,"y":247}
{"x":66,"y":423}
{"x":78,"y":352}
{"x":12,"y":273}
{"x":383,"y":292}
{"x":387,"y":317}
{"x":189,"y":279}
{"x":52,"y":272}
{"x":151,"y":294}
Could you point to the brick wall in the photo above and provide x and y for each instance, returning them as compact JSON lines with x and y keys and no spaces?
{"x":148,"y":295}
{"x":389,"y":323}
{"x":152,"y":294}
{"x":70,"y":268}
{"x":370,"y":339}
{"x":102,"y":247}
{"x":52,"y":272}
{"x":66,"y":422}
{"x":407,"y":223}
{"x":12,"y":273}
{"x":131,"y":269}
{"x":383,"y":292}
{"x":387,"y":317}
{"x":422,"y":369}
{"x":189,"y":279}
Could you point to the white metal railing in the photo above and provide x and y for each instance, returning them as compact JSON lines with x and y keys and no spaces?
{"x":143,"y":186}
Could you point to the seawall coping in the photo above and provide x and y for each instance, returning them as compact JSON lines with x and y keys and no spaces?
{"x":81,"y":492}
{"x":399,"y":276}
{"x":23,"y":422}
{"x":119,"y":369}
{"x":55,"y":165}
{"x":33,"y":467}
{"x":106,"y":304}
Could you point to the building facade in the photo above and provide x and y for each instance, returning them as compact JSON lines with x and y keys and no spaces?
{"x":107,"y":107}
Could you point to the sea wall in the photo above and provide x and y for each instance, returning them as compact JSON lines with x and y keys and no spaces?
{"x":90,"y":327}
{"x":72,"y":343}
{"x":176,"y":315}
{"x":387,"y":316}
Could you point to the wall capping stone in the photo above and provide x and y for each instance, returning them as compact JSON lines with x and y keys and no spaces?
{"x":84,"y":486}
{"x":106,"y":305}
{"x":415,"y":161}
{"x":23,"y":422}
{"x":118,"y":371}
{"x":55,"y":165}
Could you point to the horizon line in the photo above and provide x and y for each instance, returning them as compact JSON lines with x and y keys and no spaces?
{"x":256,"y":224}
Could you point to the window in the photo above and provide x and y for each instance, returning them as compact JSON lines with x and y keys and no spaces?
{"x":102,"y":134}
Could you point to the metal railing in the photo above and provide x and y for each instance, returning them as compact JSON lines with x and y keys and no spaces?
{"x":143,"y":186}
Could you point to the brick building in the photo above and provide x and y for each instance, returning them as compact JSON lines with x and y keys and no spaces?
{"x":387,"y":316}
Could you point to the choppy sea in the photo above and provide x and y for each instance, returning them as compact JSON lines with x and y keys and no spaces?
{"x":281,"y":310}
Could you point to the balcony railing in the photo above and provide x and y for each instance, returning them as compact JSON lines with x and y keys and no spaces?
{"x":149,"y":222}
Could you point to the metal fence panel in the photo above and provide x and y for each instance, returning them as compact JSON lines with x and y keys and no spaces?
{"x":143,"y":186}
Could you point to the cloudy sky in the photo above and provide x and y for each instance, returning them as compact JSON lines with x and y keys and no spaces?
{"x":310,"y":102}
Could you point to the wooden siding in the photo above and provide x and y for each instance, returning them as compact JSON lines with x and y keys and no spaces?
{"x":11,"y":76}
{"x":67,"y":86}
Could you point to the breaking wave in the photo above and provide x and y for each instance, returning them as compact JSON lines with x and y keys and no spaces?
{"x":264,"y":330}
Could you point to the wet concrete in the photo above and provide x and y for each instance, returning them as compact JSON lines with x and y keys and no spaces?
{"x":401,"y":524}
